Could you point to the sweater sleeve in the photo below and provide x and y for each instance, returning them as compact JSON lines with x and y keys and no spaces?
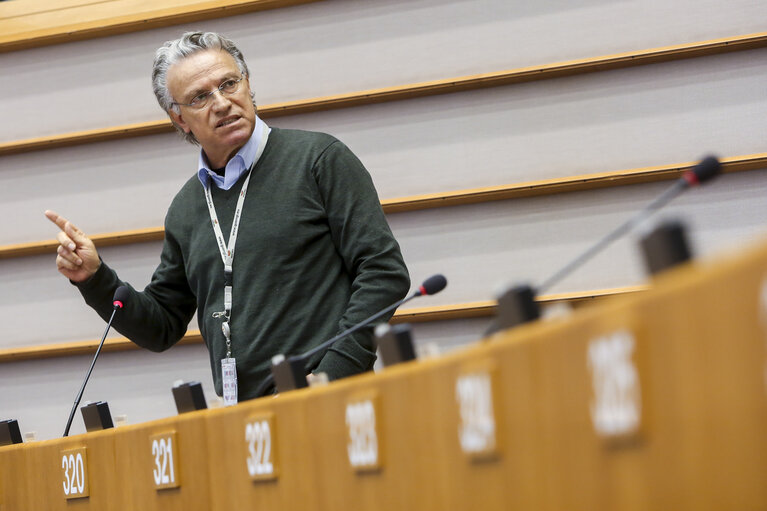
{"x":155,"y":318}
{"x":370,"y":253}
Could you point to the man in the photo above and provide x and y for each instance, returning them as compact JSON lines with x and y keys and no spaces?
{"x":314,"y":254}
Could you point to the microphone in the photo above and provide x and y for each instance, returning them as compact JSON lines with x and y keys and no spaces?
{"x":708,"y":168}
{"x":430,"y":286}
{"x":517,"y":305}
{"x":118,"y":302}
{"x":120,"y":297}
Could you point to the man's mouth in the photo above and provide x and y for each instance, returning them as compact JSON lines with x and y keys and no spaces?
{"x":227,"y":121}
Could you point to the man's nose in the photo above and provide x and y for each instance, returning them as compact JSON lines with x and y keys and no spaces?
{"x":219,"y":101}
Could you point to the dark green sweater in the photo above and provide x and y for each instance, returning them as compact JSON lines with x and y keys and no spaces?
{"x":314,"y":256}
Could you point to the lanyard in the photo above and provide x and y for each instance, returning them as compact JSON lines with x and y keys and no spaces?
{"x":227,"y":250}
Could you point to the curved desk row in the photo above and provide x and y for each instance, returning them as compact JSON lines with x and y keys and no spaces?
{"x":654,"y":401}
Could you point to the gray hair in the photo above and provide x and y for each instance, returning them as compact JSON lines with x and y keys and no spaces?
{"x":172,"y":52}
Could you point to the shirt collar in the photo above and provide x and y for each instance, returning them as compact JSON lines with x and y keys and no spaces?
{"x":237,"y":164}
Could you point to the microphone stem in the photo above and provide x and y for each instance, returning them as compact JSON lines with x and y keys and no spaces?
{"x":356,"y":327}
{"x":87,"y":376}
{"x":270,"y":378}
{"x":622,"y":229}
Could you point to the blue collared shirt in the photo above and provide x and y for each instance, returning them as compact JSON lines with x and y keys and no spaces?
{"x":236,"y":166}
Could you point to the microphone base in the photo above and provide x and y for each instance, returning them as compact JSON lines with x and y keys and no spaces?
{"x":665,"y":247}
{"x":96,"y":416}
{"x":189,"y":397}
{"x":9,"y":432}
{"x":289,"y":374}
{"x":395,"y":343}
{"x":516,"y":306}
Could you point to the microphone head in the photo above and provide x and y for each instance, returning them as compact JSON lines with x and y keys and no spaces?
{"x":120,"y":297}
{"x":708,"y":168}
{"x":433,"y":285}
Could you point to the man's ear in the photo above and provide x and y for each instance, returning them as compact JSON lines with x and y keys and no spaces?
{"x":178,"y":120}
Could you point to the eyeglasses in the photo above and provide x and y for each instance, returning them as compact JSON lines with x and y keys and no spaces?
{"x":227,"y":88}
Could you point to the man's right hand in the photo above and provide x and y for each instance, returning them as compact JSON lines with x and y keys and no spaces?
{"x":77,"y":258}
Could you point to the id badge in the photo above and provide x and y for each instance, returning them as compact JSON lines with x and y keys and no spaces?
{"x":229,"y":377}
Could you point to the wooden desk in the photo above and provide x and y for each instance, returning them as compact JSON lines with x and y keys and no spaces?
{"x":656,"y":401}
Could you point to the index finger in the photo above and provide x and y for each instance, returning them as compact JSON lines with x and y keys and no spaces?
{"x":57,"y":219}
{"x":67,"y":227}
